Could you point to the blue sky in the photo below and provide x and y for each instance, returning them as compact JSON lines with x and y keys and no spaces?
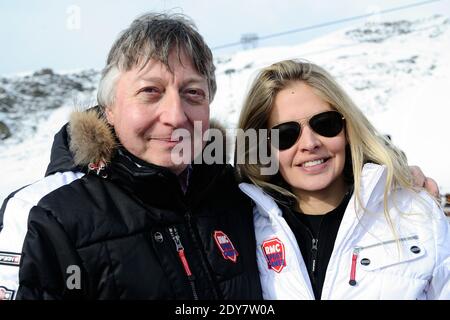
{"x":77,"y":34}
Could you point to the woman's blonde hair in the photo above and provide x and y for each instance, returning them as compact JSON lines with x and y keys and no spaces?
{"x":364,"y":142}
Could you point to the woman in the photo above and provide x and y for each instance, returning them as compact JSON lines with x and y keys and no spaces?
{"x":341,"y":219}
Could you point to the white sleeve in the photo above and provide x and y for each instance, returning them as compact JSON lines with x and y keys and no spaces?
{"x":439,"y":288}
{"x":14,"y":216}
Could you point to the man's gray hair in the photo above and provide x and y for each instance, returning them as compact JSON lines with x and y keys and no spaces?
{"x":154,"y":36}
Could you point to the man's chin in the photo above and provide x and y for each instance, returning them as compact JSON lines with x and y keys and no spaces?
{"x":172,"y":161}
{"x":177,"y":169}
{"x":175,"y":166}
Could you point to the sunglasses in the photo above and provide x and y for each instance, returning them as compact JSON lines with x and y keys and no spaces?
{"x":327,"y":124}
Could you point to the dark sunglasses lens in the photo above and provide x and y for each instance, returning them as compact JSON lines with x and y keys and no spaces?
{"x":288,"y":134}
{"x":327,"y":124}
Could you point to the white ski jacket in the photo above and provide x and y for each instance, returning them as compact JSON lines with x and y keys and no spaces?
{"x":367,"y":262}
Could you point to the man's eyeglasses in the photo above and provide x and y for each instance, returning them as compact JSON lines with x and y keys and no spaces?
{"x":327,"y":124}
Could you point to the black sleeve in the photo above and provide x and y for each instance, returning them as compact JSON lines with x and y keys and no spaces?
{"x":50,"y":266}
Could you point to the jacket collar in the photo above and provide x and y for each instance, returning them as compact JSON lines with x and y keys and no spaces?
{"x":265,"y":203}
{"x":61,"y":158}
{"x":86,"y":139}
{"x":373,"y":178}
{"x":372,"y":188}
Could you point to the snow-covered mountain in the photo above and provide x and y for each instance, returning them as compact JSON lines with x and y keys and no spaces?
{"x":26,"y":101}
{"x":398,"y":72}
{"x":374,"y":62}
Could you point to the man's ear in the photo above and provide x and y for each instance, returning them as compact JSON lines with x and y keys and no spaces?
{"x":109,"y":115}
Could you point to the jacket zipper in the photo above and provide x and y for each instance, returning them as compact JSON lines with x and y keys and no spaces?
{"x":204,"y":260}
{"x":314,"y":255}
{"x":357,"y":250}
{"x":180,"y":250}
{"x":314,"y":251}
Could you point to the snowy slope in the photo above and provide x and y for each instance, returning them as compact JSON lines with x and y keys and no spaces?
{"x":418,"y":121}
{"x":34,"y":107}
{"x":397,"y":72}
{"x":373,"y":69}
{"x":26,"y":162}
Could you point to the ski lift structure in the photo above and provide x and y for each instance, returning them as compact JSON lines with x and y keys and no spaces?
{"x":249,"y":40}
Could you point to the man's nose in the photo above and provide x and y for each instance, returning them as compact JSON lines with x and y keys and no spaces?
{"x":309,"y":140}
{"x":173,"y":113}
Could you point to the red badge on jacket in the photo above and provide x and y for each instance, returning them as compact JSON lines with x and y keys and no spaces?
{"x":273,"y":250}
{"x":225,"y":246}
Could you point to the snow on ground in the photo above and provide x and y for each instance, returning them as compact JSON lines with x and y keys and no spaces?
{"x":419,"y":123}
{"x":25,"y":163}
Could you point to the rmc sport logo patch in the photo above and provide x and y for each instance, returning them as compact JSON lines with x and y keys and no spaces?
{"x":225,"y":246}
{"x":274,"y":252}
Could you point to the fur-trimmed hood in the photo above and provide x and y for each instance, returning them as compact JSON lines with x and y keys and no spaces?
{"x":92,"y":139}
{"x":87,"y":140}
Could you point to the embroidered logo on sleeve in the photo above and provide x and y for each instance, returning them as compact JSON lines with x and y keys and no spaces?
{"x":10,"y":258}
{"x":225,"y":246}
{"x":6,"y":294}
{"x":274,"y":252}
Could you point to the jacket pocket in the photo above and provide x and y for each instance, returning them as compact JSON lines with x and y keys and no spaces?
{"x":388,"y":253}
{"x":389,"y":269}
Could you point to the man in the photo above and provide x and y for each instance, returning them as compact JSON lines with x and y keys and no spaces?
{"x":117,"y":216}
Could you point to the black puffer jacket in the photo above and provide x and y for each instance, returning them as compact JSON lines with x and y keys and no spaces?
{"x":120,"y":234}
